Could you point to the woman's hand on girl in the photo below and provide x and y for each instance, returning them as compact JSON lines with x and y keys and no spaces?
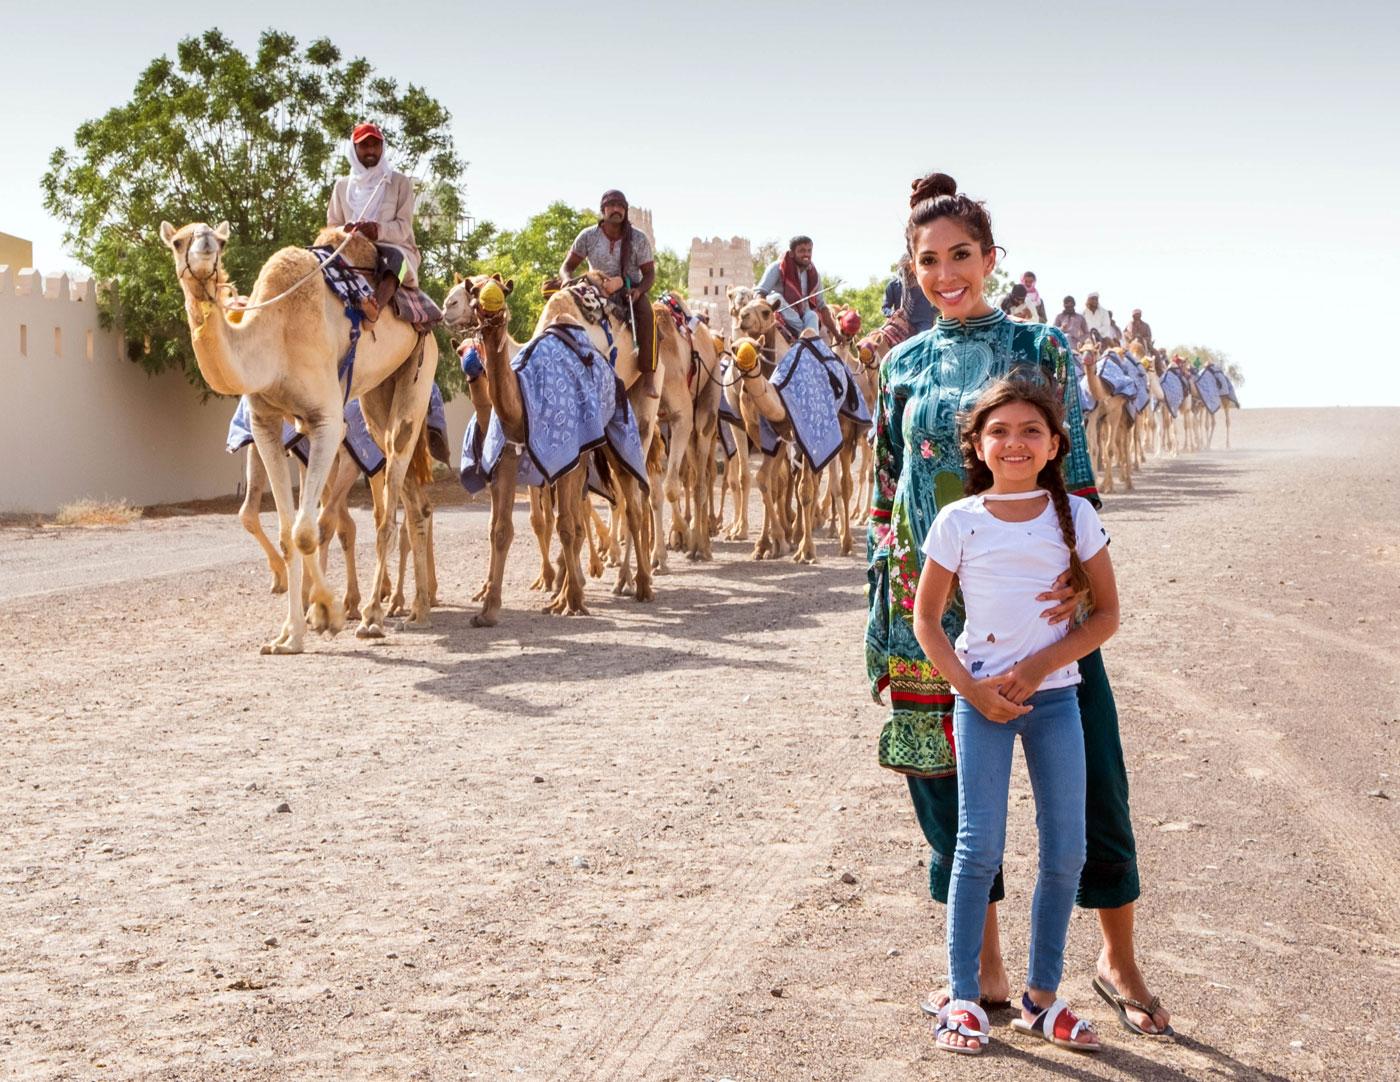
{"x":987,"y":698}
{"x":1066,"y":597}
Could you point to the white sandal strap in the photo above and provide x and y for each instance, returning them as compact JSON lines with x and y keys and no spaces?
{"x":1052,"y":1013}
{"x":953,"y":1006}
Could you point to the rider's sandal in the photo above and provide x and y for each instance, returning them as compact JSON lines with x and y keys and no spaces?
{"x":1056,"y":1024}
{"x":1121,"y":1003}
{"x":965,"y":1018}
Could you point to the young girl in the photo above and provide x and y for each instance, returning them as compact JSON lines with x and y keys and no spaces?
{"x":1015,"y":674}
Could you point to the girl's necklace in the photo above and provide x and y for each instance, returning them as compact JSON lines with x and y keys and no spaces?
{"x":1032,"y":494}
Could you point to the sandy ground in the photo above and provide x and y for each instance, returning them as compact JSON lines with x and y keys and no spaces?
{"x":614,"y":847}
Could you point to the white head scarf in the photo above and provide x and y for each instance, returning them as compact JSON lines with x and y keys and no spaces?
{"x":364,"y":194}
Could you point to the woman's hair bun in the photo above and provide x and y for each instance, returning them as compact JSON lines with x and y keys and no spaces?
{"x":931,"y":187}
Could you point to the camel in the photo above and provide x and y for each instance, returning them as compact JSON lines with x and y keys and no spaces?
{"x":581,"y":302}
{"x":694,"y":428}
{"x":286,"y":358}
{"x":757,"y":398}
{"x":737,"y":476}
{"x":1106,"y":427}
{"x":461,"y":313}
{"x":870,"y":353}
{"x":570,"y":491}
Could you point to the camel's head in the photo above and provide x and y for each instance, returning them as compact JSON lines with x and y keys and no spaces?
{"x":471,"y":299}
{"x":197,"y":249}
{"x":738,"y":297}
{"x":747,"y":353}
{"x":757,"y":317}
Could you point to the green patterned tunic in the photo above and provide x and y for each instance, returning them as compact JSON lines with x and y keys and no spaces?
{"x":924,"y":383}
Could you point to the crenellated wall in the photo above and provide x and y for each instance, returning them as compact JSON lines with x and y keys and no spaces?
{"x":715,"y":266}
{"x":77,"y":419}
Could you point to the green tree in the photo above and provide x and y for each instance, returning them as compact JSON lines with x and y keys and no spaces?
{"x":864,"y":299}
{"x":1207,"y":355}
{"x":764,"y":255}
{"x":216,"y":134}
{"x":529,"y":255}
{"x":672,"y":273}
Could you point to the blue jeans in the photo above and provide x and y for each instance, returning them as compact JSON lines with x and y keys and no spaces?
{"x":1053,"y":741}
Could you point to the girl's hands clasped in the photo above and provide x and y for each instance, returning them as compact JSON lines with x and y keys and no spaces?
{"x":1021,"y":681}
{"x":989,"y":701}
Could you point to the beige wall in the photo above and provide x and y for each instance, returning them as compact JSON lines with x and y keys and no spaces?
{"x":715,"y":265}
{"x":79,"y":420}
{"x":15,"y":251}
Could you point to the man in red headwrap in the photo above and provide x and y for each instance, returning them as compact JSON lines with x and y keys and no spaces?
{"x":377,"y":202}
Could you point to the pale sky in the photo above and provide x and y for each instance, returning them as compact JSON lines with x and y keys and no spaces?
{"x":1231,"y":168}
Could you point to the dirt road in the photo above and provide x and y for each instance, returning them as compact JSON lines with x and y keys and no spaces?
{"x":614,"y":847}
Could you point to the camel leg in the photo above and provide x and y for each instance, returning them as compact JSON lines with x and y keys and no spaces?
{"x":502,"y":532}
{"x":255,"y":476}
{"x":638,"y":523}
{"x":595,"y":548}
{"x":542,"y":523}
{"x":267,"y":436}
{"x":568,"y":498}
{"x":807,"y":520}
{"x":845,"y":492}
{"x":415,"y":535}
{"x":702,"y":489}
{"x":335,"y":520}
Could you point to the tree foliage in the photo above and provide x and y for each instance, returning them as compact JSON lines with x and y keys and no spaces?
{"x":864,"y":299}
{"x":215,"y":134}
{"x":536,"y":251}
{"x":1207,"y":355}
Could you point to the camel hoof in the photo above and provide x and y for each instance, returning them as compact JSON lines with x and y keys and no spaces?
{"x":645,"y":593}
{"x":417,"y":623}
{"x":482,"y":620}
{"x":279,"y":587}
{"x":369,"y":631}
{"x":291,"y":646}
{"x":595,"y":569}
{"x":480,"y":595}
{"x":397,"y":607}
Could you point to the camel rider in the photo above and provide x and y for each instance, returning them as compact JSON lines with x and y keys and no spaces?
{"x":796,"y":280}
{"x":618,"y":249}
{"x":377,"y":201}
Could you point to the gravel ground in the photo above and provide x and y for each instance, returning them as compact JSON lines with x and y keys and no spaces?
{"x":654,"y":843}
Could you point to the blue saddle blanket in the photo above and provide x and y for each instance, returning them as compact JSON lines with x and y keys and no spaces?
{"x":1208,"y":390}
{"x":816,"y":389}
{"x":1224,"y":386}
{"x":1117,"y":375}
{"x":573,"y":402}
{"x":1173,"y":390}
{"x":366,"y":453}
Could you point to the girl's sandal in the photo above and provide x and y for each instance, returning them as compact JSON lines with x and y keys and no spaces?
{"x":959,"y":1016}
{"x":1056,"y":1024}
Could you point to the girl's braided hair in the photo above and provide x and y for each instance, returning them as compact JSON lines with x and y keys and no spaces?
{"x":1026,"y":385}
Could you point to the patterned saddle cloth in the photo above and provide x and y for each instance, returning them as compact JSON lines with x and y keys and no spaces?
{"x":1224,"y":386}
{"x":1117,"y":376}
{"x":1174,"y":390}
{"x":416,"y":307}
{"x":363,"y":450}
{"x":573,"y":402}
{"x":1208,"y":389}
{"x":816,"y":389}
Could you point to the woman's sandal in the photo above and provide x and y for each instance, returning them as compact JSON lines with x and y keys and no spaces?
{"x":1121,"y":1003}
{"x":1057,"y":1024}
{"x":958,"y":1016}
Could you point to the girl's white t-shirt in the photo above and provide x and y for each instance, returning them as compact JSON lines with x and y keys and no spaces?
{"x":1001,"y":567}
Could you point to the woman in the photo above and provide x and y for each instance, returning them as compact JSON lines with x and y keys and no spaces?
{"x":924,"y":383}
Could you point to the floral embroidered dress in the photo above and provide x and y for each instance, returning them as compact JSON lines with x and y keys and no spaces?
{"x":924,"y":383}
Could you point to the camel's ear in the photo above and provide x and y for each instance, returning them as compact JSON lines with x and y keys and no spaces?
{"x":167,"y":233}
{"x":496,"y":275}
{"x":456,"y":278}
{"x":221,"y":231}
{"x":508,"y":285}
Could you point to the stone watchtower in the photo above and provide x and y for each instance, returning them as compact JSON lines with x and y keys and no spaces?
{"x":641,"y":218}
{"x":715,"y":265}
